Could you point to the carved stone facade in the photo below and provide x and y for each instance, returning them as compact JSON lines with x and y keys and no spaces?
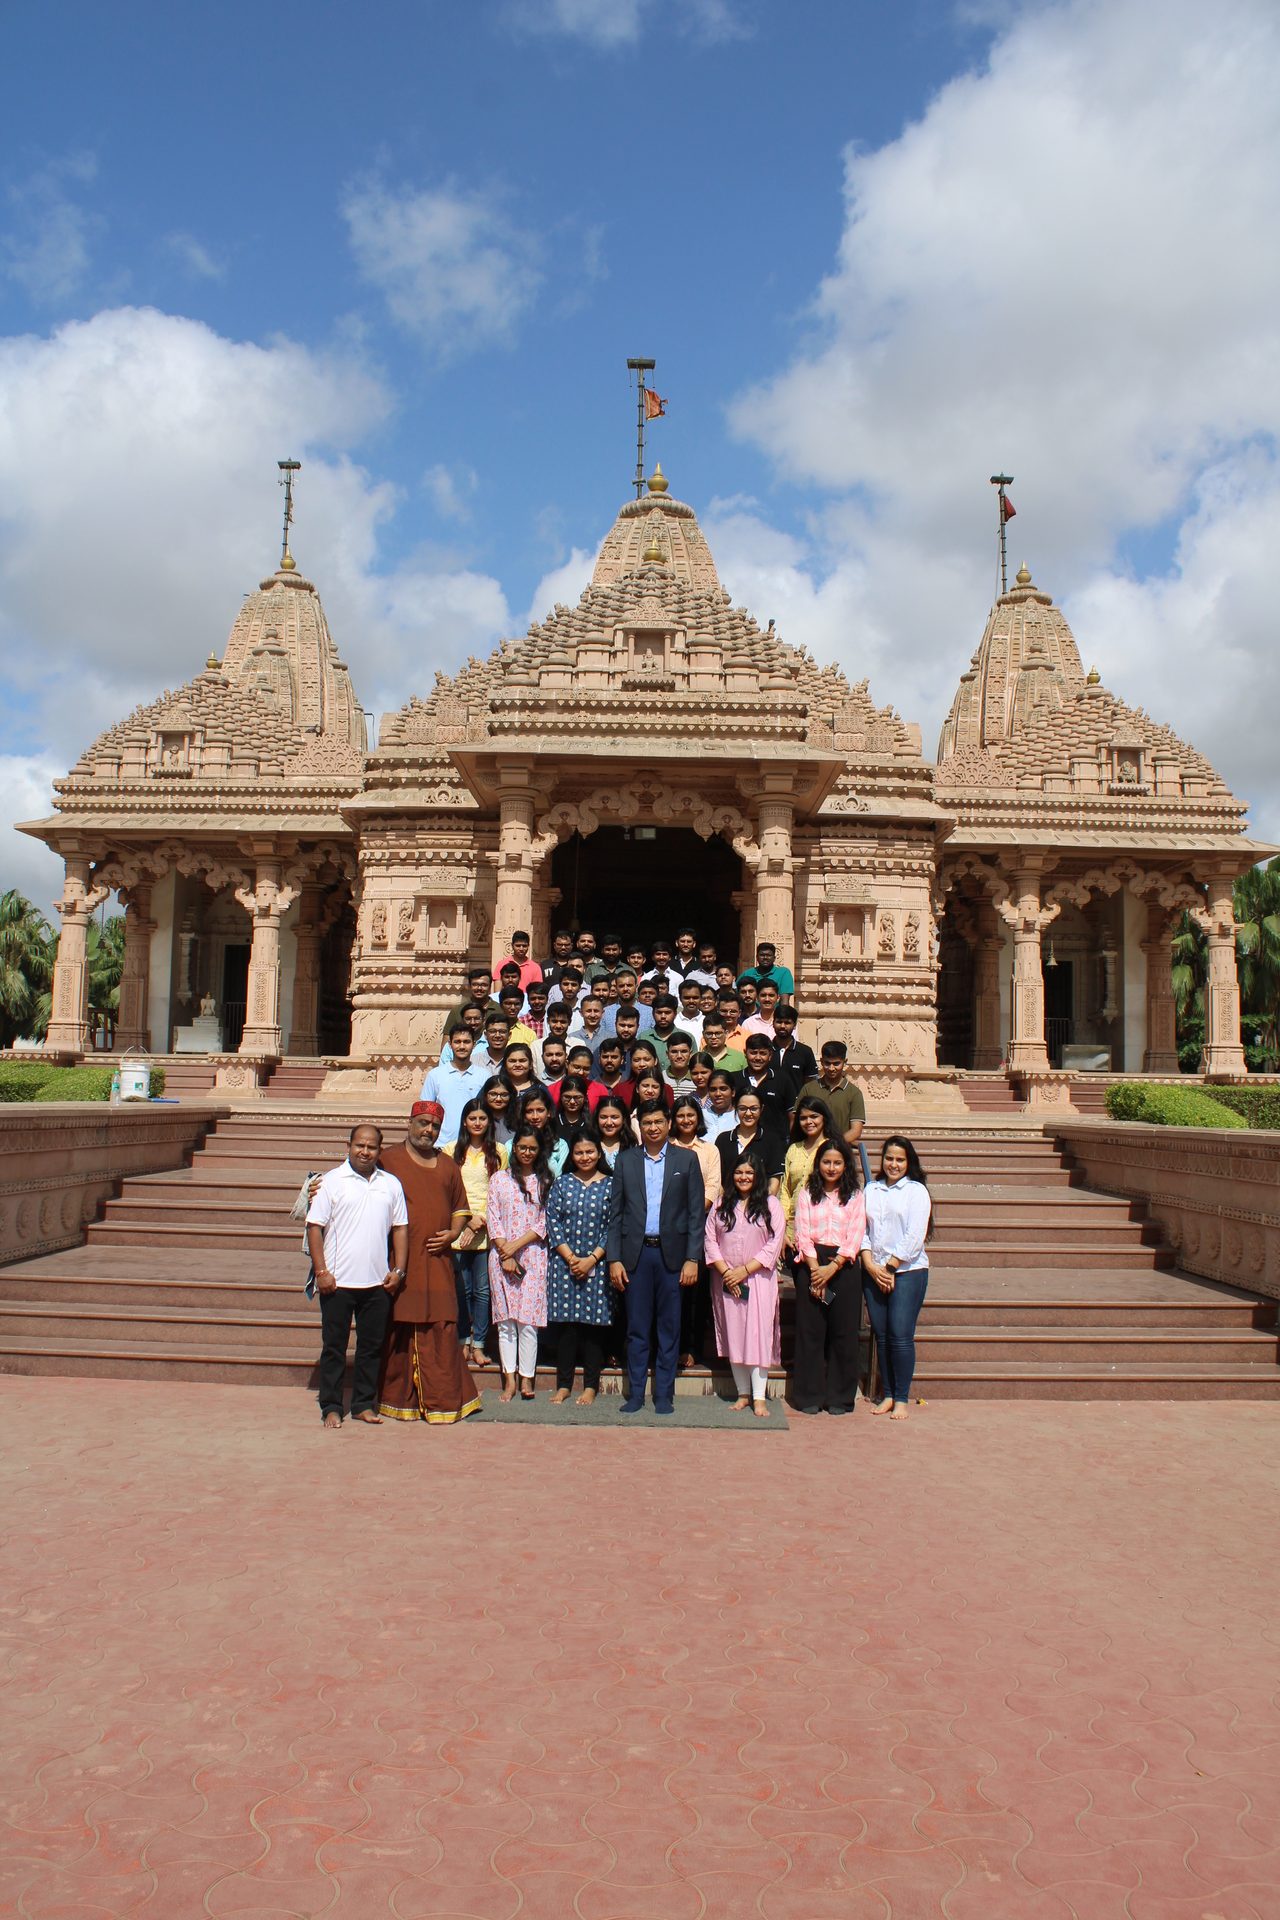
{"x":318,"y":897}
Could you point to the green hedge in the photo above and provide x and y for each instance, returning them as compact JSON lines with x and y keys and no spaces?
{"x":1169,"y":1106}
{"x":22,"y":1080}
{"x":1259,"y":1105}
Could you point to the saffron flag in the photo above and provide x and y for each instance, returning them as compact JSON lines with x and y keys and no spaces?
{"x":1007,"y":507}
{"x":654,"y":404}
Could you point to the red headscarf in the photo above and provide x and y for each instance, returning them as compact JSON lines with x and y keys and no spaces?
{"x":432,"y":1109}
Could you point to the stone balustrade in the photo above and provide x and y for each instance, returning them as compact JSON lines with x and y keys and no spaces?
{"x":61,"y":1160}
{"x":1214,"y":1191}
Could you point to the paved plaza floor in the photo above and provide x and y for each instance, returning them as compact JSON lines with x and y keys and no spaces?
{"x":1004,"y":1661}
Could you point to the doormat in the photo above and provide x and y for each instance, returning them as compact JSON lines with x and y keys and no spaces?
{"x":705,"y":1410}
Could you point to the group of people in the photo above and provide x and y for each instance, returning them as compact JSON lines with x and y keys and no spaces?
{"x":612,"y":1165}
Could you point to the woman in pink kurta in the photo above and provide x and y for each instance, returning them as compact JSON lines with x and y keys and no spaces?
{"x":743,"y":1240}
{"x":516,"y":1217}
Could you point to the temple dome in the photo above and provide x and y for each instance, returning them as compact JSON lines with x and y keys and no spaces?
{"x":657,"y":532}
{"x":1027,"y":662}
{"x":281,"y":646}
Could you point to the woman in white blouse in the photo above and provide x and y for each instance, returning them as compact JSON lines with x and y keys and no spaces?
{"x":899,"y":1221}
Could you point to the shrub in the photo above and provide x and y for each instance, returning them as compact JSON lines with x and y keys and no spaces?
{"x":1160,"y":1106}
{"x":1259,"y":1105}
{"x":22,"y":1080}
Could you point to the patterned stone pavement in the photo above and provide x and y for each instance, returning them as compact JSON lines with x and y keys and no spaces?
{"x":1006,"y":1662}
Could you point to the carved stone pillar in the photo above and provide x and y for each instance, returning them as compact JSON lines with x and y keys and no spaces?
{"x":545,"y":901}
{"x":132,"y":1024}
{"x":988,"y":1042}
{"x":264,"y":905}
{"x":69,"y":1020}
{"x":304,"y":1027}
{"x":1161,"y":1055}
{"x":514,"y":905}
{"x":1223,"y":1051}
{"x":775,"y":917}
{"x":745,"y":902}
{"x":1028,"y":917}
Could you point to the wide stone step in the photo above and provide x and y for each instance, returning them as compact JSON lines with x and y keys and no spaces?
{"x":281,"y":1332}
{"x":1093,"y":1347}
{"x":1070,"y":1380}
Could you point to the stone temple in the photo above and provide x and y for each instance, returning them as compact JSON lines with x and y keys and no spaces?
{"x":647,"y":757}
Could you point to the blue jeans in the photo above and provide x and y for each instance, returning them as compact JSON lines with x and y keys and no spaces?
{"x":472,"y":1268}
{"x":893,"y":1319}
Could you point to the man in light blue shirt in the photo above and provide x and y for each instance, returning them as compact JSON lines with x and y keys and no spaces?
{"x":656,"y":1223}
{"x":454,"y":1084}
{"x":626,"y":985}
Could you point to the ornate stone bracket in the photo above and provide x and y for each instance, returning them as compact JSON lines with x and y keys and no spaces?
{"x":647,"y":799}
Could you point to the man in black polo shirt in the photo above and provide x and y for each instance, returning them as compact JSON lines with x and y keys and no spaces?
{"x":776,"y":1088}
{"x":791,"y":1054}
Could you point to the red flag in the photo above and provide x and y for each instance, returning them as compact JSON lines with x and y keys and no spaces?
{"x":1007,"y":508}
{"x":654,"y":405}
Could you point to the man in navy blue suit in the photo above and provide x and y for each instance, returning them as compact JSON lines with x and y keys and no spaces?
{"x":655,"y":1237}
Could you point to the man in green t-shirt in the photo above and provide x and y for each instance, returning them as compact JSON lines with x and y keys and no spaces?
{"x":835,"y":1089}
{"x":728,"y":1059}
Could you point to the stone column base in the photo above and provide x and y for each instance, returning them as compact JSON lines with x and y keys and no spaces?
{"x":1049,"y":1090}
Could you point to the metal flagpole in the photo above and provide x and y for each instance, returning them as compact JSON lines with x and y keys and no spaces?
{"x":1000,"y":481}
{"x":640,"y":368}
{"x":288,"y":468}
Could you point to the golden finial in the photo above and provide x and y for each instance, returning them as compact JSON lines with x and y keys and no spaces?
{"x":287,"y":562}
{"x":212,"y":663}
{"x":1023,"y":575}
{"x":655,"y":551}
{"x":1093,"y":678}
{"x":658,"y":480}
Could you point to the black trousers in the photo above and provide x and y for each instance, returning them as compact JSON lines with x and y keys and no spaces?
{"x":695,"y":1311}
{"x":370,"y":1308}
{"x":576,"y":1345}
{"x":825,"y":1372}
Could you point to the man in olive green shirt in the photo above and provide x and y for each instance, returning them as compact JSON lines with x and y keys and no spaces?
{"x":728,"y":1059}
{"x":835,"y":1089}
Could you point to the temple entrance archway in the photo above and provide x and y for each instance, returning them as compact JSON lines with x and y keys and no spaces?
{"x":642,"y":882}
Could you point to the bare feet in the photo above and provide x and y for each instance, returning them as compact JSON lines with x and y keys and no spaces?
{"x":901,"y":1411}
{"x":559,"y":1397}
{"x":332,"y":1420}
{"x":508,"y":1387}
{"x":528,"y":1391}
{"x":368,"y":1418}
{"x":760,"y":1408}
{"x":587,"y":1395}
{"x":742,"y":1402}
{"x":686,"y":1361}
{"x":882,"y":1406}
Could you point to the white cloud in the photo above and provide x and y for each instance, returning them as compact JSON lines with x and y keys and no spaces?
{"x":451,"y":490}
{"x":46,"y":245}
{"x":620,"y":23}
{"x":1059,"y":270}
{"x":25,"y":782}
{"x":453,"y":268}
{"x":565,"y":585}
{"x":196,"y":257}
{"x":138,"y":469}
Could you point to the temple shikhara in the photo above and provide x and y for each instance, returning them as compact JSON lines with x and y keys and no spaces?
{"x":647,"y":757}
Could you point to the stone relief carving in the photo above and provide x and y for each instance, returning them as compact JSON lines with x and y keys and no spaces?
{"x":378,"y":923}
{"x":887,"y":937}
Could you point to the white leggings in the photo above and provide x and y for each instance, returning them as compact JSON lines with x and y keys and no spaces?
{"x":518,"y":1348}
{"x":752,"y":1380}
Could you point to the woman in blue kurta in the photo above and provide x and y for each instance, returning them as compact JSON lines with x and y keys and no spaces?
{"x":579,"y":1297}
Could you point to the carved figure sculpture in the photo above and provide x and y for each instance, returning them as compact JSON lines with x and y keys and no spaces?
{"x":378,"y":919}
{"x":888,"y":941}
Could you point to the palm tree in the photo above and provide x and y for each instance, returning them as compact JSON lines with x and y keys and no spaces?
{"x":1257,"y":908}
{"x":27,"y":948}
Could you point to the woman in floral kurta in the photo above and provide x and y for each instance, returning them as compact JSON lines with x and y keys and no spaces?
{"x":517,"y":1224}
{"x":579,"y":1297}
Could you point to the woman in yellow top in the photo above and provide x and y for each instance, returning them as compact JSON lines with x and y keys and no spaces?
{"x":810,"y":1126}
{"x":479,"y":1157}
{"x":688,"y":1128}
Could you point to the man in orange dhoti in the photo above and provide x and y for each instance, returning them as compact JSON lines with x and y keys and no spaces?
{"x":423,"y":1373}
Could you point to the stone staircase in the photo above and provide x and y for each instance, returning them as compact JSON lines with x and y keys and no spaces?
{"x":989,"y":1095}
{"x":1040,"y":1289}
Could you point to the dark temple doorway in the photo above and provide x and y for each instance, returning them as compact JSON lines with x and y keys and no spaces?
{"x":644,"y":882}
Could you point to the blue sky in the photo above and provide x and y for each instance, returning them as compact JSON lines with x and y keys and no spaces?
{"x":877,"y":253}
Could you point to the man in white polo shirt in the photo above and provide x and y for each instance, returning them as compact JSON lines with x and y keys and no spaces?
{"x":357,"y":1209}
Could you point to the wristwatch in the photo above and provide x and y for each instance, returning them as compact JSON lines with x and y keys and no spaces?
{"x":398,"y":1272}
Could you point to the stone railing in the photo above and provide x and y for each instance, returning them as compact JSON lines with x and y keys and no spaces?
{"x":1214,"y":1191}
{"x":59,"y":1161}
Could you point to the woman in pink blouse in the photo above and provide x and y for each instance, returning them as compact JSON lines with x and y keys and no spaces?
{"x":743,"y":1241}
{"x":830,"y":1225}
{"x":516,"y":1218}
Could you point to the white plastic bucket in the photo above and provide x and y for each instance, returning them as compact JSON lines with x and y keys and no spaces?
{"x":135,"y":1080}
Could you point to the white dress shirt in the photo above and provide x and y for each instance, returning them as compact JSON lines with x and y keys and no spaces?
{"x":897,"y":1221}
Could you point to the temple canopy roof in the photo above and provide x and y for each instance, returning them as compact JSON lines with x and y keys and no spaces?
{"x":655,"y":653}
{"x":1027,"y":660}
